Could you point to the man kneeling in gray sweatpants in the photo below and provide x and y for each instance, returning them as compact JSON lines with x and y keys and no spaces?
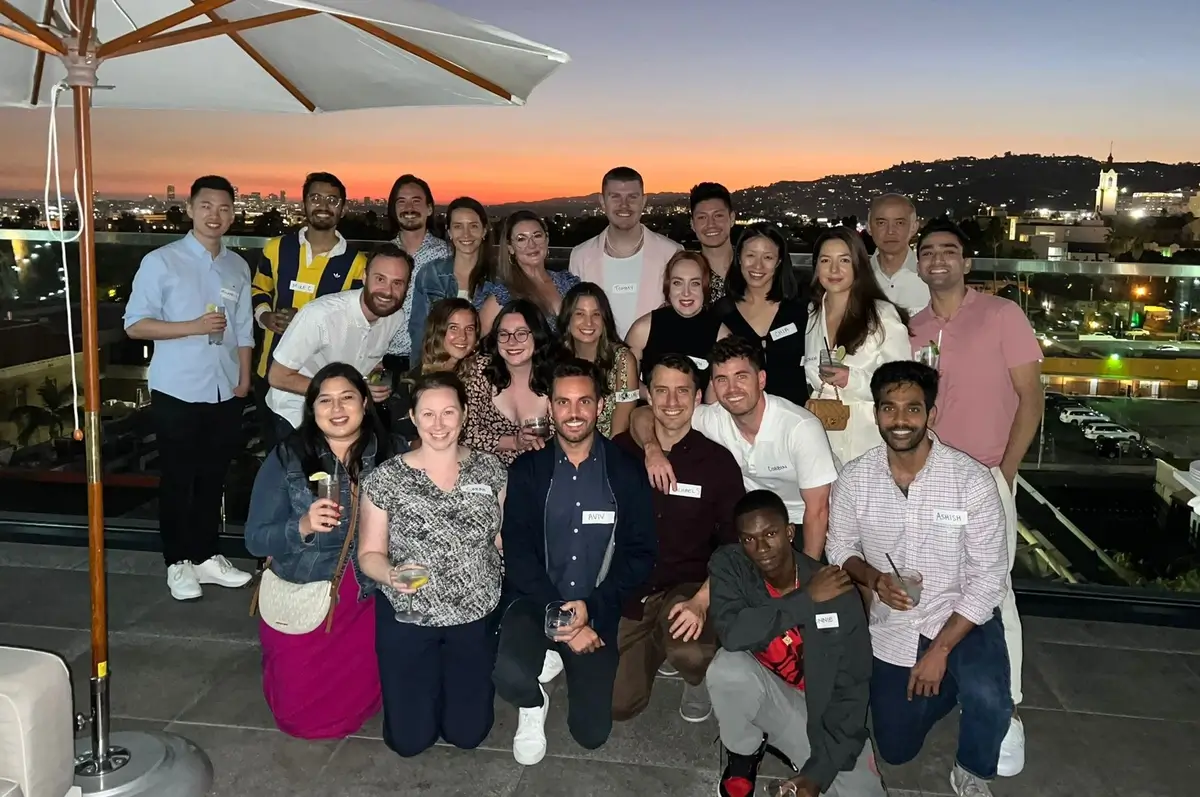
{"x":794,"y":668}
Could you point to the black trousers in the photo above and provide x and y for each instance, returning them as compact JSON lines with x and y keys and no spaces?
{"x":196,"y":443}
{"x":437,"y":682}
{"x":590,"y":677}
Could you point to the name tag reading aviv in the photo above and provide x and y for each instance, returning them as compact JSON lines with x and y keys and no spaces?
{"x":593,"y":517}
{"x":685,"y":490}
{"x":783,"y":332}
{"x":625,"y":288}
{"x":477,"y":489}
{"x":950,"y":517}
{"x":303,"y":287}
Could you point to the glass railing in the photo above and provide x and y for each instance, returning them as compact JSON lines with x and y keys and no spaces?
{"x":1097,"y":512}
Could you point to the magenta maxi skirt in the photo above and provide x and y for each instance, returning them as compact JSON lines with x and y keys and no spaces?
{"x":319,"y":685}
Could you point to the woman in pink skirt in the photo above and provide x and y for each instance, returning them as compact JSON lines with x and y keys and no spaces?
{"x":323,"y":684}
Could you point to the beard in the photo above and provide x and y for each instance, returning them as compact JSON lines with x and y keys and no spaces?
{"x":906,"y":443}
{"x":322,"y":223}
{"x":382,"y":305}
{"x":410,"y":222}
{"x":577,"y":436}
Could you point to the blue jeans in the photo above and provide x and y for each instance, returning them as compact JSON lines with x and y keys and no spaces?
{"x":977,"y":679}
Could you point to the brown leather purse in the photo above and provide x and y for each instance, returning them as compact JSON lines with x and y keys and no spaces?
{"x":833,"y":414}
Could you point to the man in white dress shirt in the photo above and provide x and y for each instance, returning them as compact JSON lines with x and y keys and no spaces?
{"x":779,"y":446}
{"x":350,"y":327}
{"x":921,"y":525}
{"x":892,"y":223}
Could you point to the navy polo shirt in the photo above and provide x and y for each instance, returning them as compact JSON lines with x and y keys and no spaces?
{"x":581,"y":514}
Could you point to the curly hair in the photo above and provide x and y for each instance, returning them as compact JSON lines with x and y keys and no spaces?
{"x":545,"y":354}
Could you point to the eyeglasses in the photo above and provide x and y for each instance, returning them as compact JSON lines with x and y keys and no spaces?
{"x":520,"y":336}
{"x":323,"y":199}
{"x":526,"y":240}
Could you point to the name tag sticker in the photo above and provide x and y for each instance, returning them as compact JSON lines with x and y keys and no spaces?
{"x":477,"y":489}
{"x":700,"y":362}
{"x":594,"y":517}
{"x":950,"y":517}
{"x":229,"y":294}
{"x":303,"y":287}
{"x":780,"y":468}
{"x":825,"y":621}
{"x":625,"y":288}
{"x":686,"y":490}
{"x":783,"y":332}
{"x":623,"y":396}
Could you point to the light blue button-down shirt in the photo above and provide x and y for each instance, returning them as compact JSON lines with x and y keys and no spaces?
{"x":177,"y":283}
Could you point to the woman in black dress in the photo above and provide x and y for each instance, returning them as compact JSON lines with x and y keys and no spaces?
{"x":763,"y":302}
{"x":685,"y":324}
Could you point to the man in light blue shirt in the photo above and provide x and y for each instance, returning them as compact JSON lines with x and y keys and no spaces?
{"x":192,"y":298}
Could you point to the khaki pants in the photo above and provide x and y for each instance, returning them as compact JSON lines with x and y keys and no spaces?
{"x":646,"y":643}
{"x":1008,"y":607}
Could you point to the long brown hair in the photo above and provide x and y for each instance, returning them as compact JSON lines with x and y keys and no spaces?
{"x":433,"y":347}
{"x":609,"y":346}
{"x":862,"y":314}
{"x":509,"y":272}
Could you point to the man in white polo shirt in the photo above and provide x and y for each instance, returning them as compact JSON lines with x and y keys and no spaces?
{"x":779,"y":446}
{"x":892,"y":223}
{"x":350,"y":327}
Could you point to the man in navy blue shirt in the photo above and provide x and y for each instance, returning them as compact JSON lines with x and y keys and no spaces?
{"x":578,"y":534}
{"x":192,"y":298}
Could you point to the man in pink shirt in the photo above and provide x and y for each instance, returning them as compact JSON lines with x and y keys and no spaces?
{"x":990,"y":402}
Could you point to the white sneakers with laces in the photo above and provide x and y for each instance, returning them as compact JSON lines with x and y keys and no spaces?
{"x":184,"y":578}
{"x":1012,"y":750}
{"x":967,"y":785}
{"x":551,"y":667}
{"x":529,"y":742}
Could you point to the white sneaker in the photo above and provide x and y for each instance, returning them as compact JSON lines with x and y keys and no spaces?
{"x":182,"y":581}
{"x":667,"y":670}
{"x":1012,"y":750}
{"x":219,"y":571}
{"x":967,"y":785}
{"x":529,"y":742}
{"x":551,"y":667}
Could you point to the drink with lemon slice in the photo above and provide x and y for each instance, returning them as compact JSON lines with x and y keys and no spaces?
{"x":410,"y":575}
{"x":327,"y":486}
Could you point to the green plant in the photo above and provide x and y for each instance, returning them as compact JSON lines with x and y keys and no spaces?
{"x":54,"y":413}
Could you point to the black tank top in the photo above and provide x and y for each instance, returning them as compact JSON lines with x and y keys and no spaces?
{"x":783,"y":345}
{"x":671,"y":333}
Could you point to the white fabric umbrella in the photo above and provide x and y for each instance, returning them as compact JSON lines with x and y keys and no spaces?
{"x":277,"y":55}
{"x":228,"y":55}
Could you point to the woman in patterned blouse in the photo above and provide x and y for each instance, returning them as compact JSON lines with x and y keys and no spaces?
{"x":587,"y":330}
{"x":439,"y":506}
{"x":521,"y":271}
{"x":508,"y":382}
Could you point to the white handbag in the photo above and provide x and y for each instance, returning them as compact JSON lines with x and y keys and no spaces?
{"x":301,"y":608}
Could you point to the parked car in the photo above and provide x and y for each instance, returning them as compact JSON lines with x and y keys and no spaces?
{"x":1081,"y":415}
{"x":1110,"y":448}
{"x":1110,"y":431}
{"x":1057,"y":402}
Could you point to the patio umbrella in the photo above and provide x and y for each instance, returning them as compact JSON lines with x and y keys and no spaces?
{"x":235,"y":55}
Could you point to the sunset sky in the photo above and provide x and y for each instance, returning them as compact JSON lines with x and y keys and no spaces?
{"x":741,"y":91}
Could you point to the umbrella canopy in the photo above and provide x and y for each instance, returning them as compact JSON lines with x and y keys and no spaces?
{"x":273,"y":55}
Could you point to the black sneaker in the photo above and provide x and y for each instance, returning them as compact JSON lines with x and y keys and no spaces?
{"x":740,"y":774}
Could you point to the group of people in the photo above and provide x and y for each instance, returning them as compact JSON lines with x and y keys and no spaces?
{"x":798,"y":495}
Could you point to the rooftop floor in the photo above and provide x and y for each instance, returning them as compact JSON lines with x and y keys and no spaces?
{"x":1109,"y":709}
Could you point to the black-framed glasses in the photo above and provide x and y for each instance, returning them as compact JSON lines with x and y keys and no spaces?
{"x":520,"y":336}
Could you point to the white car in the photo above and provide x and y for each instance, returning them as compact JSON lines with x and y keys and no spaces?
{"x":1109,"y":431}
{"x":1081,"y":415}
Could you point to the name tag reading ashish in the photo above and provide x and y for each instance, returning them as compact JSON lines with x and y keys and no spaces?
{"x":685,"y":490}
{"x":596,"y":517}
{"x":950,"y":517}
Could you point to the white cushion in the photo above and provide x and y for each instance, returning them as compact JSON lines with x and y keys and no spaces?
{"x":37,"y":746}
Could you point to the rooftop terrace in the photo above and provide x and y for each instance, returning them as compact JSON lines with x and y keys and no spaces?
{"x":1110,"y":709}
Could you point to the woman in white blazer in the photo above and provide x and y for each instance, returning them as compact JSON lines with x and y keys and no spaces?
{"x":851,"y":319}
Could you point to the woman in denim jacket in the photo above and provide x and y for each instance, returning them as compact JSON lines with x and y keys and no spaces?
{"x":323,"y":684}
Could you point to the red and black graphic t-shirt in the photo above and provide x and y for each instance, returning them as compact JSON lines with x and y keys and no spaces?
{"x":785,"y":655}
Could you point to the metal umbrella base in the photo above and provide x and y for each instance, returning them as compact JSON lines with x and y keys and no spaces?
{"x":141,"y":763}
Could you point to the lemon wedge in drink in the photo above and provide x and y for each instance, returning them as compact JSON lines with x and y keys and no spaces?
{"x":319,"y":476}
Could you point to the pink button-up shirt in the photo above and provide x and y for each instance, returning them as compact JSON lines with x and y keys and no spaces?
{"x":950,"y":529}
{"x":978,"y":345}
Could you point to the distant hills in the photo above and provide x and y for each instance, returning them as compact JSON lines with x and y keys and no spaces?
{"x":959,"y":186}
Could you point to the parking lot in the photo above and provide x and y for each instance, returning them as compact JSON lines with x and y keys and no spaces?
{"x":1170,"y":428}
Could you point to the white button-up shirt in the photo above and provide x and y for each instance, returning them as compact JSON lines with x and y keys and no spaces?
{"x":904,"y":288}
{"x":950,"y":529}
{"x":330,"y":329}
{"x":790,"y":453}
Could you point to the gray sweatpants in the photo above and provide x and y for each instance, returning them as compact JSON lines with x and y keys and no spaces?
{"x":750,"y":702}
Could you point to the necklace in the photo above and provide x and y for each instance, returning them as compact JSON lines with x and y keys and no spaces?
{"x":611,"y":250}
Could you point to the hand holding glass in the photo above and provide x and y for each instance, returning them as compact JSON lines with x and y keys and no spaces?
{"x":558,"y":620}
{"x":913,"y":581}
{"x":536,"y":427}
{"x":407,"y":578}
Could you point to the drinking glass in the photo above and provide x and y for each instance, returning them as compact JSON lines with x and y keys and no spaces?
{"x":557,"y":618}
{"x":913,"y":582}
{"x":215,"y":337}
{"x":414,"y":575}
{"x":538,"y":427}
{"x":329,"y":487}
{"x":381,"y":377}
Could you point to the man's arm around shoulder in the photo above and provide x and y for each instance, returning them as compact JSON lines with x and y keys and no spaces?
{"x":742,"y":619}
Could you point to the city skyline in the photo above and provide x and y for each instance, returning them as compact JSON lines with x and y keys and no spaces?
{"x":704,"y":94}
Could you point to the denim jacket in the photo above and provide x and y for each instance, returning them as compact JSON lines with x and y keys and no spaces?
{"x":280,"y":498}
{"x":433,"y":283}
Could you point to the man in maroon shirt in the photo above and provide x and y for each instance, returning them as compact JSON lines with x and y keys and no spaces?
{"x":667,"y":621}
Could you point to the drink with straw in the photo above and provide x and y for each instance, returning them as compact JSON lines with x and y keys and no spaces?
{"x":911,"y":582}
{"x":215,"y":337}
{"x":410,"y":575}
